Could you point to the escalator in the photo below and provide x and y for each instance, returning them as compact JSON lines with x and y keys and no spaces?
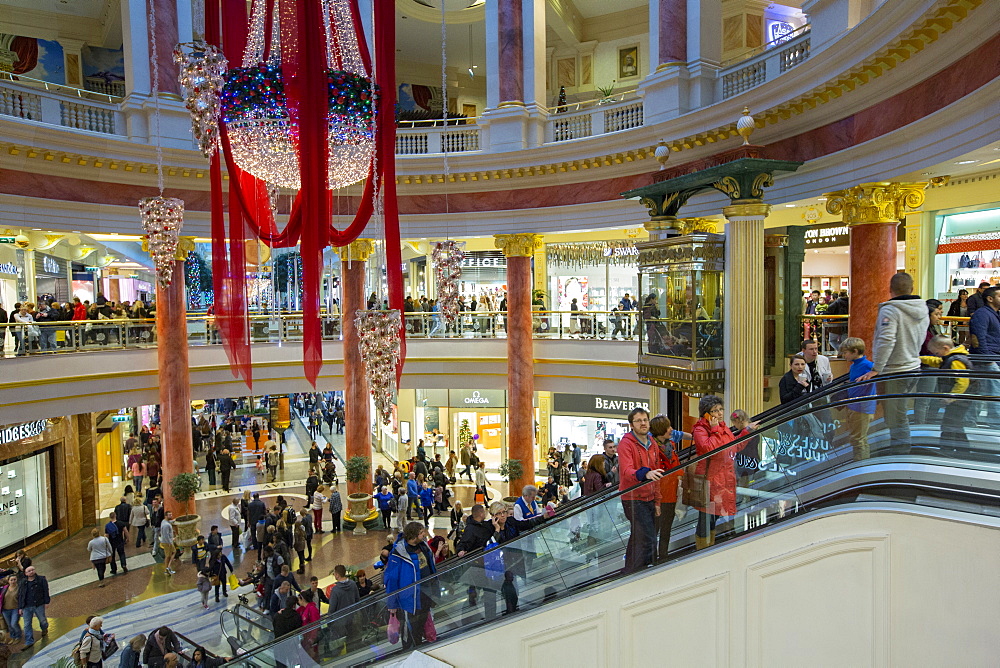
{"x":922,"y":452}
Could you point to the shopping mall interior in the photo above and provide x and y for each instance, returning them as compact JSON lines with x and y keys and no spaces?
{"x":422,"y":383}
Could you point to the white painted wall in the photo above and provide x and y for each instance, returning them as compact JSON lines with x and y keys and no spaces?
{"x":858,"y":588}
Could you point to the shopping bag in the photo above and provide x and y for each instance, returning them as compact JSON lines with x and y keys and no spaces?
{"x":109,"y":648}
{"x":234,"y":581}
{"x":430,"y":632}
{"x":493,"y":560}
{"x":393,"y":629}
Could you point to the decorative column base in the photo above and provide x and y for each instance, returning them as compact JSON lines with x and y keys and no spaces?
{"x":744,"y":306}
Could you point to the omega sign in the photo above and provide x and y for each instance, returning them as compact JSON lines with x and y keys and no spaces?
{"x":477,"y":398}
{"x":21,"y":431}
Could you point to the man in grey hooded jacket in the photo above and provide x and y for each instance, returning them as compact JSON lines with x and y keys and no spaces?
{"x":899,"y":332}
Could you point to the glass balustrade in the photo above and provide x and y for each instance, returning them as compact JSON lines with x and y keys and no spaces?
{"x":848,"y":443}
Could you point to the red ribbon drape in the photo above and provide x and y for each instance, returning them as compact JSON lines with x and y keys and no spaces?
{"x":309,"y":225}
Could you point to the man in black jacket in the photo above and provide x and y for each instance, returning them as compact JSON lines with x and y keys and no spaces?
{"x":287,"y":620}
{"x":477,"y":532}
{"x":32,"y":597}
{"x":123,"y":512}
{"x":226,"y":466}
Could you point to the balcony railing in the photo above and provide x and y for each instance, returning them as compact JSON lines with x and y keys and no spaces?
{"x":830,"y":330}
{"x":765,"y":66}
{"x":57,"y":105}
{"x":46,"y":338}
{"x":596,"y":120}
{"x":430,"y":140}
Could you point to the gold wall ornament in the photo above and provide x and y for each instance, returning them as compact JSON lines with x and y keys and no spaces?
{"x":518,"y":245}
{"x":880,"y":202}
{"x":761,"y":181}
{"x":695,"y":225}
{"x":747,"y":210}
{"x":728,"y":185}
{"x":358,"y":250}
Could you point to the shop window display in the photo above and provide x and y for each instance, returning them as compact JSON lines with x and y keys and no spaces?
{"x":968,"y":252}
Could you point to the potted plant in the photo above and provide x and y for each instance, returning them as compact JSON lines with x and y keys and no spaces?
{"x":183,"y":487}
{"x":358,"y":471}
{"x":511,"y":471}
{"x":606,"y":93}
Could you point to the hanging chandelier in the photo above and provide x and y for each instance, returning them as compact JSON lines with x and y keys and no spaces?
{"x":378,"y":341}
{"x":202,"y":68}
{"x":162,"y":218}
{"x":447,"y":258}
{"x":254,"y":106}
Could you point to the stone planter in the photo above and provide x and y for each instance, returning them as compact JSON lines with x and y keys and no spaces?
{"x":509,"y":501}
{"x":359,"y":511}
{"x":186,"y":530}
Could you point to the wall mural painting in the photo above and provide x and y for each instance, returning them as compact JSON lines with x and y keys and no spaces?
{"x":31,"y":57}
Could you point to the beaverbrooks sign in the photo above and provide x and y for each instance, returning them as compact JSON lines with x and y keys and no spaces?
{"x":590,"y":404}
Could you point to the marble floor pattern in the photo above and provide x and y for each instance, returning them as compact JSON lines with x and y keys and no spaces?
{"x":146,"y":597}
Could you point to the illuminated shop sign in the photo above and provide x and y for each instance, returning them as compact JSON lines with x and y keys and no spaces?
{"x":590,"y":404}
{"x":22,"y":431}
{"x":7,"y":268}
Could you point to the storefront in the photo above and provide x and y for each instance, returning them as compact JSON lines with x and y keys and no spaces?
{"x":589,"y":419}
{"x":597,"y":274}
{"x":968,"y":251}
{"x":827,"y":264}
{"x":51,"y":278}
{"x":8,"y":284}
{"x":41,"y":485}
{"x":479,"y":415}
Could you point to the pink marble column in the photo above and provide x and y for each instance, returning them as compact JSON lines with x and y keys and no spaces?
{"x":519,"y":249}
{"x":511,"y":41}
{"x":672,"y":32}
{"x":175,"y":386}
{"x":166,"y":39}
{"x":357,"y":414}
{"x":873,"y":263}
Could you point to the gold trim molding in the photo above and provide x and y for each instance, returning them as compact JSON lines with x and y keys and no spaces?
{"x":747,"y":210}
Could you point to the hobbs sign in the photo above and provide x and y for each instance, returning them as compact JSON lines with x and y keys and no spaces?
{"x":590,"y":404}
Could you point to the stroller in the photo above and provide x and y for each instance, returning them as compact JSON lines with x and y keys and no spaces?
{"x":330,"y":474}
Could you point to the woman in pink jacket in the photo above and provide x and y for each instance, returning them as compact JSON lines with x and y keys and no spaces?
{"x":711,"y":433}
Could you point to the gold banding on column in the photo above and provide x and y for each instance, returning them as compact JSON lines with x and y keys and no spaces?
{"x":880,"y":202}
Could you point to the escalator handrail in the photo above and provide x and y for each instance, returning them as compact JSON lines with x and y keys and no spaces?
{"x":611,"y":493}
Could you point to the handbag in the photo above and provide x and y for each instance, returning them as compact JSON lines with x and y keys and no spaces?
{"x":110,"y":648}
{"x":493,"y":560}
{"x":695,"y":487}
{"x":392,"y":630}
{"x":963,"y":262}
{"x":107,"y":559}
{"x":215,"y":580}
{"x":430,"y":631}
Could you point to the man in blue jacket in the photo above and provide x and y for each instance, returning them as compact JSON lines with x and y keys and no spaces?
{"x":410,"y":560}
{"x":985,"y":328}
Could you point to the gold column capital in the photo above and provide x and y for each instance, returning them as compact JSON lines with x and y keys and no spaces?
{"x":184,"y":246}
{"x":879,"y":202}
{"x":358,"y":250}
{"x":518,"y":245}
{"x":747,"y":210}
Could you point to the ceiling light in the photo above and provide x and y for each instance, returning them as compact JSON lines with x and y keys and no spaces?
{"x":820,"y":199}
{"x":966,"y":162}
{"x":790,"y":205}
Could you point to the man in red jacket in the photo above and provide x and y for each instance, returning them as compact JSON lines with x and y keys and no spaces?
{"x":639,"y":461}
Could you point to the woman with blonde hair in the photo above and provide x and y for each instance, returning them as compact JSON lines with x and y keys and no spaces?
{"x":132,"y":652}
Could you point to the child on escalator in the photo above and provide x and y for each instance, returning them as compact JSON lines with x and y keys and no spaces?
{"x":946,"y":355}
{"x":859,"y":413}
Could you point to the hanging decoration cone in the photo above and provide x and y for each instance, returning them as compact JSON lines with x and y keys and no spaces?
{"x":447,"y":257}
{"x":162,"y":218}
{"x":378,"y":333}
{"x":201,"y":76}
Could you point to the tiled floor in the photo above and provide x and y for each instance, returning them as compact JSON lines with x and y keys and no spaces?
{"x":73,"y":581}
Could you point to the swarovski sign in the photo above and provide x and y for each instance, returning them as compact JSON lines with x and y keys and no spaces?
{"x":22,"y":431}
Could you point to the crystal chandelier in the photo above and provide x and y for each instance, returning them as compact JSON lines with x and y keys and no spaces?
{"x":378,"y":334}
{"x":256,"y":115}
{"x":202,"y":68}
{"x":161,"y":219}
{"x":447,"y":258}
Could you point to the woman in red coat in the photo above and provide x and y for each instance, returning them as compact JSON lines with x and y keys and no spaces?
{"x":711,"y":433}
